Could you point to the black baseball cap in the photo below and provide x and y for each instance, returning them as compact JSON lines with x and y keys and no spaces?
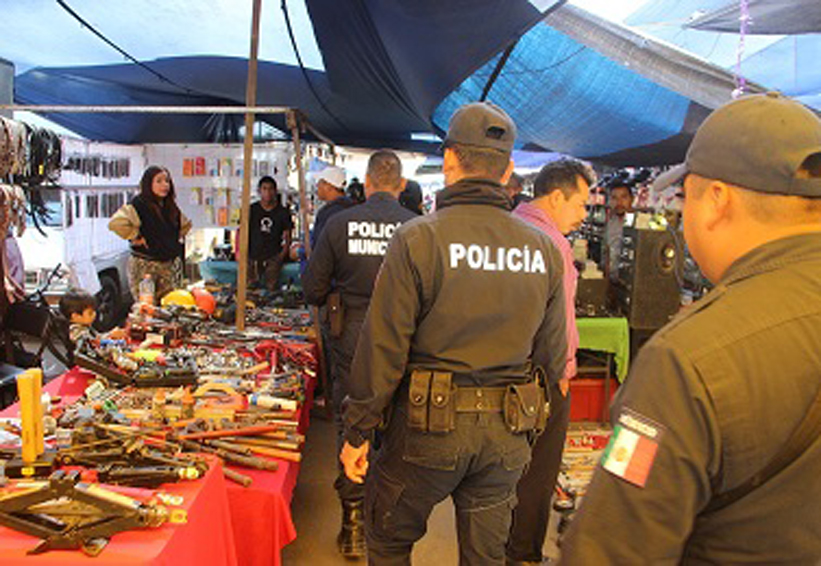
{"x":481,"y":124}
{"x":757,"y":142}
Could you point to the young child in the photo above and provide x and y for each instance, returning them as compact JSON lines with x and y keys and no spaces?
{"x":80,"y":309}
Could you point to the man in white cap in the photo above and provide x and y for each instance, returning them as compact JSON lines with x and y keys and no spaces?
{"x":330,"y":189}
{"x":716,"y":447}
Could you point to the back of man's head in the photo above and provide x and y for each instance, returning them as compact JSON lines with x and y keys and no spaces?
{"x":480,"y":137}
{"x":751,"y":177}
{"x":764,"y":143}
{"x":562,"y":175}
{"x":384,"y":172}
{"x":514,"y":185}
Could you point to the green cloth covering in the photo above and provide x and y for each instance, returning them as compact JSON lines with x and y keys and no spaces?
{"x":607,"y":335}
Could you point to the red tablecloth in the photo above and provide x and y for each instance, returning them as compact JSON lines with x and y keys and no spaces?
{"x":207,"y":537}
{"x":260,"y":514}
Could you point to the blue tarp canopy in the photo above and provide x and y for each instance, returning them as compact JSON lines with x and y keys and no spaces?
{"x":584,"y":86}
{"x":376,"y":72}
{"x":384,"y":65}
{"x":781,"y":50}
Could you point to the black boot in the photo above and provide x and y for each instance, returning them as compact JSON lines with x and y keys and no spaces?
{"x":351,"y":539}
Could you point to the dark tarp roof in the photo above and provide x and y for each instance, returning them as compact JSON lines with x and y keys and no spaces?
{"x":574,"y":83}
{"x":388,"y":63}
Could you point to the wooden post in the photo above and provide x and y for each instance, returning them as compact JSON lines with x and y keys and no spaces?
{"x":248,"y":160}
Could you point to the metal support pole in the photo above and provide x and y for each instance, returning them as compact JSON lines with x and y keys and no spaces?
{"x":115,"y":109}
{"x":248,"y":159}
{"x":295,"y":124}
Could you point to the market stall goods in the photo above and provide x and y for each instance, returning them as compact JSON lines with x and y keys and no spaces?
{"x":178,"y":395}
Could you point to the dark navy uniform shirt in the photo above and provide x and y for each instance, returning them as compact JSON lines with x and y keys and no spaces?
{"x":469,"y":289}
{"x":325,"y":213}
{"x":350,"y":250}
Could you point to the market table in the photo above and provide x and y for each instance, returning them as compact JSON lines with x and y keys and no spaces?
{"x":610,"y":335}
{"x":260,"y":515}
{"x":207,"y":537}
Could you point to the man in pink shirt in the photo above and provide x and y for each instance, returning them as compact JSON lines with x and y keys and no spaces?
{"x":560,"y":192}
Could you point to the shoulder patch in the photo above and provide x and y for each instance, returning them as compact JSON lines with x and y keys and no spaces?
{"x":632,"y":448}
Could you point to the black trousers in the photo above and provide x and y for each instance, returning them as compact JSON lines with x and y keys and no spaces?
{"x":342,"y":351}
{"x":535,"y":489}
{"x":477,"y":465}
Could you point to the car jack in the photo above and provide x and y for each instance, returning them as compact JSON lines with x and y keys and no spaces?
{"x":69,"y":514}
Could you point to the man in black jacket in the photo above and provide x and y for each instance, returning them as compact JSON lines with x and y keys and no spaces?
{"x":466,"y":298}
{"x":346,"y":260}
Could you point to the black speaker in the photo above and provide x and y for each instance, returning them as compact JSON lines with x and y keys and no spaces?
{"x":591,"y":297}
{"x":647,"y":290}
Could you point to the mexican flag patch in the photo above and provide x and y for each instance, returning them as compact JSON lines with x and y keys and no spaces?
{"x":632,"y":448}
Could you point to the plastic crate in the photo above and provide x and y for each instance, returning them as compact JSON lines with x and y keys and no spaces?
{"x":587,"y":401}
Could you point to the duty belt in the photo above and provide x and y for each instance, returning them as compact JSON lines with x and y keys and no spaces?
{"x":480,"y":399}
{"x":434,"y":401}
{"x":475,"y":399}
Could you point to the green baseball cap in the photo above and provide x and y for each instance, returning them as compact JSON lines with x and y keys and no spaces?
{"x":482,"y":124}
{"x":757,"y":142}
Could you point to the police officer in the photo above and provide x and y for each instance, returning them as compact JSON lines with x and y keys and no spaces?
{"x":465,"y":299}
{"x":345,"y":262}
{"x":714,"y":459}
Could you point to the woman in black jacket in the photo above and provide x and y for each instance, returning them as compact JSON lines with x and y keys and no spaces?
{"x":156,"y":228}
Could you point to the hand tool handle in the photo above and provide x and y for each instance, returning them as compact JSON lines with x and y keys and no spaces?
{"x":243,"y":480}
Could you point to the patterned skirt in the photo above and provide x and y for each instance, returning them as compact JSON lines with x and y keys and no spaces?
{"x":167,"y":275}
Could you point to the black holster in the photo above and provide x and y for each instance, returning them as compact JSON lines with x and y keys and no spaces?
{"x":526,"y":407}
{"x":336,"y":314}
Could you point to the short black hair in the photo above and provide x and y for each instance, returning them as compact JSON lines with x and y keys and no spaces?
{"x":812,"y":165}
{"x":76,"y":301}
{"x":385,"y":170}
{"x":627,"y":188}
{"x":481,"y":161}
{"x":267,"y":179}
{"x":561,"y":175}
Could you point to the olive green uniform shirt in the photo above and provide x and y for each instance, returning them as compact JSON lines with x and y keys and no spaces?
{"x":726,"y":384}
